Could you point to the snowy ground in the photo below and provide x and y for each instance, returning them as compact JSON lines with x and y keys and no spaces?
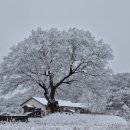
{"x":70,"y":122}
{"x":129,"y":124}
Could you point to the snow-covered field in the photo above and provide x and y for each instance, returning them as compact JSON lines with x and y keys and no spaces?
{"x":70,"y":122}
{"x":129,"y":124}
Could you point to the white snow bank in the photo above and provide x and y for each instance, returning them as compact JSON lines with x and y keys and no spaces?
{"x":70,"y":122}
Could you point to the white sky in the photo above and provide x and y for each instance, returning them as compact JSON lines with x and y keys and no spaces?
{"x":107,"y":19}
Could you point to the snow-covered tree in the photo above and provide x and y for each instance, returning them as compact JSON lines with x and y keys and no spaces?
{"x":96,"y":93}
{"x":55,"y":59}
{"x":119,"y":94}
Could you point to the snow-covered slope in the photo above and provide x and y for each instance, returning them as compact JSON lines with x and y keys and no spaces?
{"x":11,"y":94}
{"x":70,"y":122}
{"x":11,"y":100}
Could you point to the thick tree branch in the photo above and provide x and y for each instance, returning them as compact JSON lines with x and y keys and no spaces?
{"x":69,"y":82}
{"x":64,"y":78}
{"x":85,"y":63}
{"x":72,"y":71}
{"x":43,"y":86}
{"x":89,"y":74}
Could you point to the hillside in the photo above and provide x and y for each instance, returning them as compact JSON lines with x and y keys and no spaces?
{"x":10,"y":100}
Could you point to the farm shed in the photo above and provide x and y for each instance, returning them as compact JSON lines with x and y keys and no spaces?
{"x":38,"y":106}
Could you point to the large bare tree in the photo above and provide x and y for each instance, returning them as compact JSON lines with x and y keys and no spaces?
{"x":50,"y":59}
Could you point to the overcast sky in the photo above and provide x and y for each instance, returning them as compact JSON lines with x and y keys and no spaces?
{"x":107,"y":19}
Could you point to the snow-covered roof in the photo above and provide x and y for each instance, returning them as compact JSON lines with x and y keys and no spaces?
{"x":28,"y":105}
{"x":41,"y":100}
{"x":61,"y":103}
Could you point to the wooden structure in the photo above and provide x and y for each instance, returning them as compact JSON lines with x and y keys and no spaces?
{"x":36,"y":113}
{"x":15,"y":118}
{"x":28,"y":108}
{"x":38,"y":107}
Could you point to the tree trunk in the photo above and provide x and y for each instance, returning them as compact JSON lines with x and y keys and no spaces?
{"x":52,"y":103}
{"x":50,"y":97}
{"x":54,"y":106}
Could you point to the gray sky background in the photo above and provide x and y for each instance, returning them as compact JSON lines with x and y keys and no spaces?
{"x":107,"y":19}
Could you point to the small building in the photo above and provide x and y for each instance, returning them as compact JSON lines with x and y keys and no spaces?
{"x":37,"y":107}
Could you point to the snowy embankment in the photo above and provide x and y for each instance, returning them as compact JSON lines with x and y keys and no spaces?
{"x":70,"y":122}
